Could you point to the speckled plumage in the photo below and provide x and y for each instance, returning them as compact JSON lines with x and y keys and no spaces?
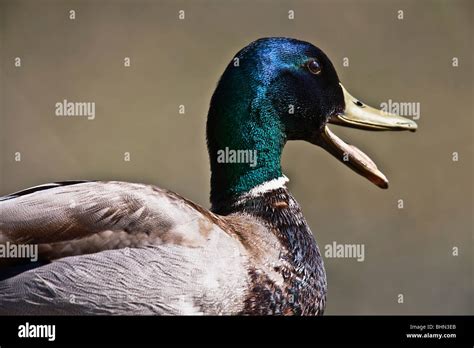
{"x":299,"y":262}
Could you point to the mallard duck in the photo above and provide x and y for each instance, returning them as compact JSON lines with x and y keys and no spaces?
{"x":126,"y":248}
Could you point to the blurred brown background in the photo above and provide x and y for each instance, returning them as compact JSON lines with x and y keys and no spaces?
{"x":407,"y":251}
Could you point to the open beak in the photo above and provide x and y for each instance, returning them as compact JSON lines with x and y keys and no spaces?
{"x":359,"y":115}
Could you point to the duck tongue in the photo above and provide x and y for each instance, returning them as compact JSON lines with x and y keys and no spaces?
{"x":351,"y":156}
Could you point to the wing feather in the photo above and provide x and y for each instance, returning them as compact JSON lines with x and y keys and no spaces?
{"x":120,"y":248}
{"x":86,"y":217}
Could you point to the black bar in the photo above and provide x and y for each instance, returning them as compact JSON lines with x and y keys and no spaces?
{"x":291,"y":331}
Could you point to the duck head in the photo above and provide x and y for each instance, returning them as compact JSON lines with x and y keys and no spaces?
{"x":280,"y":89}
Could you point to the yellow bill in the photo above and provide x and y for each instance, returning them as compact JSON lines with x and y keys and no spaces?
{"x":360,"y":115}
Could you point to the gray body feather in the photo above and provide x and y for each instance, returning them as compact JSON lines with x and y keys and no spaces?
{"x":120,"y":248}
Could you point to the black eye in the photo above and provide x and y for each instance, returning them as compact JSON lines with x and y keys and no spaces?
{"x":314,"y":66}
